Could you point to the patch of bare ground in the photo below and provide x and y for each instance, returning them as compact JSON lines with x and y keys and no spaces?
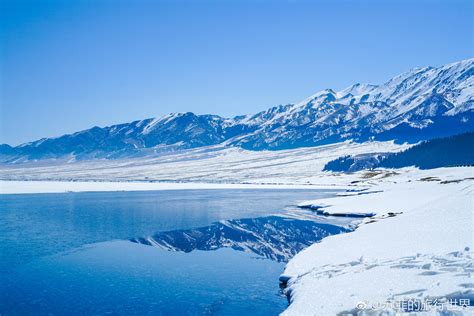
{"x":456,"y":180}
{"x":381,"y":173}
{"x":430,"y":179}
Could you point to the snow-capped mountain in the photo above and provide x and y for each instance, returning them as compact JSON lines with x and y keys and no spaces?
{"x":420,"y":104}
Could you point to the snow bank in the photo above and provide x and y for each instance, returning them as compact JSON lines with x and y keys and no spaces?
{"x":417,"y":246}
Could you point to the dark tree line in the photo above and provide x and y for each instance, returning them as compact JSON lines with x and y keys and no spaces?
{"x":450,"y":151}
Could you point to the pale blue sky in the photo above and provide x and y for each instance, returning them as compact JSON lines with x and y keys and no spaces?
{"x":69,"y":65}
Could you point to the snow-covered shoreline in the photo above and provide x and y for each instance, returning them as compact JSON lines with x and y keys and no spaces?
{"x":29,"y":187}
{"x":418,"y":246}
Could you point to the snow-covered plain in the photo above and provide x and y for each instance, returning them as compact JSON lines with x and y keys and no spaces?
{"x":214,"y":164}
{"x":418,"y":247}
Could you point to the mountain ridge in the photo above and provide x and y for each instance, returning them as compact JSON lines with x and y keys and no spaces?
{"x":419,"y":104}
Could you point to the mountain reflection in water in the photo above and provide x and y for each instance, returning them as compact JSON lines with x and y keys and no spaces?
{"x":277,"y":238}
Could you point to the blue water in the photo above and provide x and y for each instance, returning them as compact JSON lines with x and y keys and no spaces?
{"x":151,"y":253}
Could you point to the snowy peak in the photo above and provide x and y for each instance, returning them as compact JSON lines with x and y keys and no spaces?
{"x":454,"y":81}
{"x":358,"y":89}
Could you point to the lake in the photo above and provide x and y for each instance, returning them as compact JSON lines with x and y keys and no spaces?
{"x":183,"y":252}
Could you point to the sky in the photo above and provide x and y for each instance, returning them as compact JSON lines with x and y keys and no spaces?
{"x":68,"y":65}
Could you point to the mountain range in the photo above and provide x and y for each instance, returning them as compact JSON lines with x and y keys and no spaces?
{"x":420,"y":104}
